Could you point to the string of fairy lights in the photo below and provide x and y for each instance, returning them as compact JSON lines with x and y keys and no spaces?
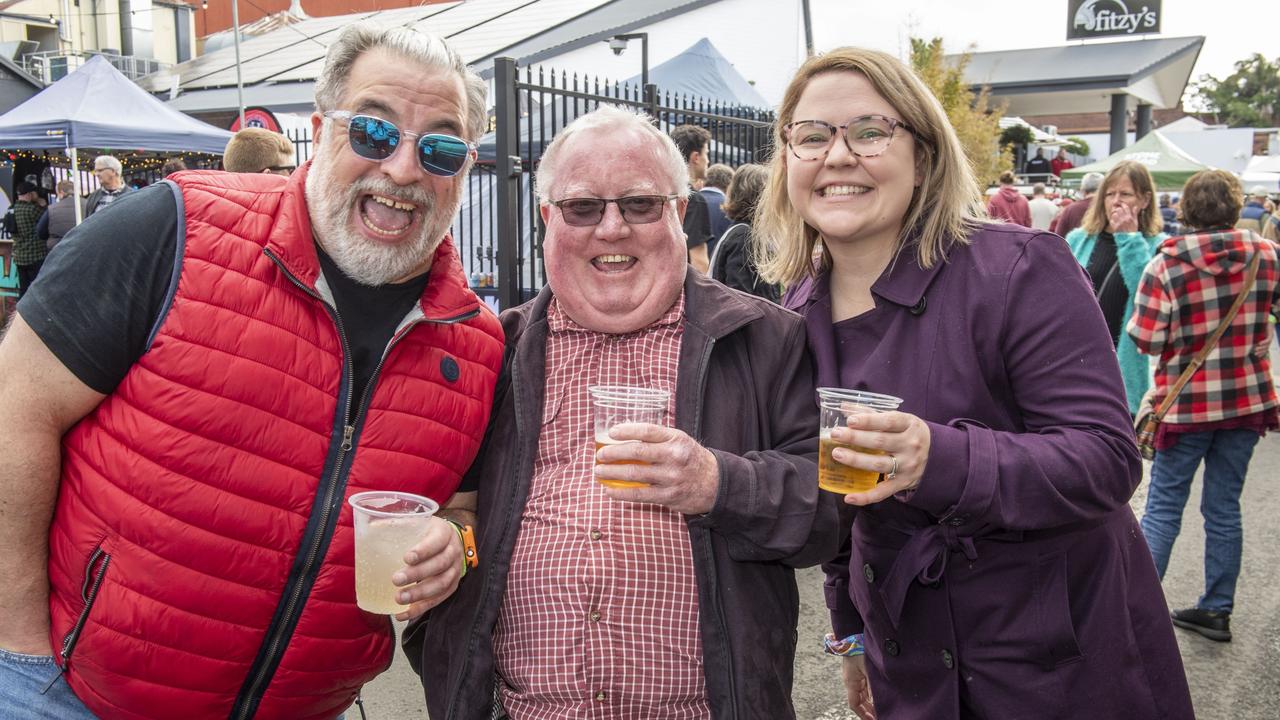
{"x":131,"y":160}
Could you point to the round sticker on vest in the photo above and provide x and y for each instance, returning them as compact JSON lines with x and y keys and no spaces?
{"x":449,"y":368}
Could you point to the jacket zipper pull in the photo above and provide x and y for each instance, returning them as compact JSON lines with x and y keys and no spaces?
{"x":347,"y":432}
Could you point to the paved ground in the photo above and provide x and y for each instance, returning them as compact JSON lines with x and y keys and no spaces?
{"x":1229,"y":681}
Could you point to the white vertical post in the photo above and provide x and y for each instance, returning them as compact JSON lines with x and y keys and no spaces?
{"x":235,"y":29}
{"x":75,"y":180}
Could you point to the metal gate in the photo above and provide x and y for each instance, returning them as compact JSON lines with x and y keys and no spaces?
{"x":499,"y":231}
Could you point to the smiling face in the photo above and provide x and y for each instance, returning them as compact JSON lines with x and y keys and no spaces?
{"x":850,"y":199}
{"x":614,"y":277}
{"x":382,"y":221}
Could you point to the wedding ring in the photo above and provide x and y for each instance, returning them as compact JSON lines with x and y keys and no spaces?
{"x":892,"y":471}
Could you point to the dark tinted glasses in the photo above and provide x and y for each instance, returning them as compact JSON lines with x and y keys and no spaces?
{"x":636,"y":209}
{"x":377,"y":139}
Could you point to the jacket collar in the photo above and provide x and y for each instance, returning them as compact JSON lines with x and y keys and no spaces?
{"x":291,"y":240}
{"x":903,"y":283}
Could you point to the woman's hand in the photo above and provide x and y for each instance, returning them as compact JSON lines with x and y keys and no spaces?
{"x":902,"y":444}
{"x":1123,"y":219}
{"x":857,"y":687}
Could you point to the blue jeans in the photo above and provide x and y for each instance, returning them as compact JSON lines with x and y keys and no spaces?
{"x":22,"y":677}
{"x":1226,"y":455}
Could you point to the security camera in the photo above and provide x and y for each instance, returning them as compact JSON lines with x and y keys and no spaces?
{"x":617,"y":45}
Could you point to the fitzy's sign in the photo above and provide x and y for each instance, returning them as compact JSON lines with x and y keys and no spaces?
{"x":1103,"y":18}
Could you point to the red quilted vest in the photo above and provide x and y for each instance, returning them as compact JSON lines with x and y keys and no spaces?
{"x":201,"y":551}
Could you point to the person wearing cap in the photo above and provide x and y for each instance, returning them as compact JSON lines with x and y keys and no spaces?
{"x":112,"y":185}
{"x":1254,"y":215}
{"x":28,"y":249}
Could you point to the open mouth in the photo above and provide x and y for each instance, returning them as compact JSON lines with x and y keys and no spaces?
{"x":613,"y":263}
{"x":832,"y":191}
{"x":386,"y":216}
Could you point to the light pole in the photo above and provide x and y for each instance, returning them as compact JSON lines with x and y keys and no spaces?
{"x":235,"y":29}
{"x":618,"y":43}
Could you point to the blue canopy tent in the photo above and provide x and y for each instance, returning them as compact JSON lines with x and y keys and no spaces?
{"x":98,"y":107}
{"x":701,"y":72}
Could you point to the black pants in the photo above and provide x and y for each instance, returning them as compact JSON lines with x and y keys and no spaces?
{"x":26,"y":276}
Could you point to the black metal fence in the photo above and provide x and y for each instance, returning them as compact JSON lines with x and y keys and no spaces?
{"x":499,"y":229}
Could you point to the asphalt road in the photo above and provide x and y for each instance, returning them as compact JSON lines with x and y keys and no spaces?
{"x":1239,"y":680}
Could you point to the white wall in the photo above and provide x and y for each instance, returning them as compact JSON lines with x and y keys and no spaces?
{"x":764,"y":39}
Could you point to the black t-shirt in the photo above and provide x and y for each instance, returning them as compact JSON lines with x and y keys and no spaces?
{"x":697,"y":221}
{"x":104,"y":286}
{"x":1108,"y":284}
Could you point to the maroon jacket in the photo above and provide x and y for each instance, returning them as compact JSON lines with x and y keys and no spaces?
{"x":1070,"y":217}
{"x":1015,"y":581}
{"x":1009,"y":205}
{"x":745,"y":391}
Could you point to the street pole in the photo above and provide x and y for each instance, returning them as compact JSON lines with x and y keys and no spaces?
{"x":808,"y":29}
{"x":235,"y":25}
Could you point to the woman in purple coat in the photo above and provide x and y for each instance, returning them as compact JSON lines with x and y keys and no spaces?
{"x":997,"y":571}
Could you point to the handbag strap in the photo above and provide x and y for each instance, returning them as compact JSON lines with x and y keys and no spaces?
{"x":1218,"y":332}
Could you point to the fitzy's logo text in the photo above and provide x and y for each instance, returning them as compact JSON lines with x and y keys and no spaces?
{"x":1098,"y":18}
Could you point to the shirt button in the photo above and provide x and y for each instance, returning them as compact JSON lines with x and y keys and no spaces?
{"x":596,"y":534}
{"x":594,"y":616}
{"x":868,"y":573}
{"x":891,"y":647}
{"x":948,"y":659}
{"x":600,"y":696}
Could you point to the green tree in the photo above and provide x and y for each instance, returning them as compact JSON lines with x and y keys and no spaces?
{"x":1248,"y":97}
{"x":976,"y":122}
{"x":1076,"y":146}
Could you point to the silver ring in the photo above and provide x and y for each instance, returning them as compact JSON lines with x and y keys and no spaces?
{"x":892,"y":471}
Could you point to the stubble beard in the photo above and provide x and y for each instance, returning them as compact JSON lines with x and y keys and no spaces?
{"x":333,"y":208}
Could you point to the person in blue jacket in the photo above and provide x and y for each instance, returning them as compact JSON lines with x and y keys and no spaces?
{"x":1115,"y":241}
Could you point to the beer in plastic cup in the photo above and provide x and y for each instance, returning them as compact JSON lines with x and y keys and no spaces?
{"x":387,"y":525}
{"x":837,"y":405}
{"x":617,"y":404}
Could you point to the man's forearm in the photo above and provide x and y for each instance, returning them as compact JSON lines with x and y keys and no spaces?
{"x":28,"y":491}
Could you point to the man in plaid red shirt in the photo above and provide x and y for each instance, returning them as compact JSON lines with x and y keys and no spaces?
{"x":1185,"y":293}
{"x":676,"y":599}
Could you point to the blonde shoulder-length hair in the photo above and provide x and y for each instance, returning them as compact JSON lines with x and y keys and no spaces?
{"x":1150,"y":221}
{"x":943,"y":210}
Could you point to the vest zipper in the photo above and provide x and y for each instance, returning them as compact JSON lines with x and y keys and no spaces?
{"x":88,"y":593}
{"x":292,"y":610}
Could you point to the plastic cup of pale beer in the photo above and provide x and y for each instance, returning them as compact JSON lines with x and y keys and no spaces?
{"x":613,"y":405}
{"x":836,"y":406}
{"x":387,"y":524}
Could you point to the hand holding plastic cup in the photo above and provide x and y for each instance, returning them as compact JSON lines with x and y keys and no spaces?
{"x":387,"y":525}
{"x":614,"y":405}
{"x":837,"y":405}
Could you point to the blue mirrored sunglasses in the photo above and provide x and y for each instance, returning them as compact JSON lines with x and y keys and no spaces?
{"x":376,"y":139}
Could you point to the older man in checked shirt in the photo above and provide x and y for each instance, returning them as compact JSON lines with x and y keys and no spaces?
{"x":675,"y":600}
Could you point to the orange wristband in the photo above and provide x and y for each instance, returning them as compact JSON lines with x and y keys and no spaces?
{"x":467,"y":535}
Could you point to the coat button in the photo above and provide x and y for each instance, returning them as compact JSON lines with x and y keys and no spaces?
{"x":958,"y":520}
{"x":891,"y":647}
{"x":868,"y":573}
{"x":948,"y":659}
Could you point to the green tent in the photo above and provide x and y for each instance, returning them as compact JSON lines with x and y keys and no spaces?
{"x":1169,"y":164}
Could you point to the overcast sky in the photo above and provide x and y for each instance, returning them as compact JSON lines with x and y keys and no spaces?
{"x":1233,"y":29}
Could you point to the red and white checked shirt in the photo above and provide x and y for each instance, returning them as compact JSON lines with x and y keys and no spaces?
{"x":1185,"y":292}
{"x":600,"y":615}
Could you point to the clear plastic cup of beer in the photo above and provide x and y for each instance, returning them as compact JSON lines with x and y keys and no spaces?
{"x":613,"y":405}
{"x":837,"y":405}
{"x":387,"y":525}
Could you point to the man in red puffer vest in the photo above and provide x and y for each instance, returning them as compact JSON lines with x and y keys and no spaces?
{"x":200,"y":379}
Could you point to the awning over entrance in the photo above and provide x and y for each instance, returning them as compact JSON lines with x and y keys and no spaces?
{"x":1083,"y":78}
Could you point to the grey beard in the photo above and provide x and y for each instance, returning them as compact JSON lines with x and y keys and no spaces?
{"x":365,"y":261}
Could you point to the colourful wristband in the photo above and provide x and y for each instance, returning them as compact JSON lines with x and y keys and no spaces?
{"x":848,"y":647}
{"x":467,"y":537}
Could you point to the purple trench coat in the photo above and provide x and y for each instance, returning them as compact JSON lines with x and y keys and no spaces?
{"x":1014,"y":582}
